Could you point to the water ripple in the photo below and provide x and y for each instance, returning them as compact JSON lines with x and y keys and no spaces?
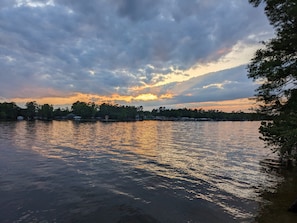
{"x":177,"y":167}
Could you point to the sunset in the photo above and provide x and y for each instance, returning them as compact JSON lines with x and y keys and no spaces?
{"x":148,"y":111}
{"x":162,"y":53}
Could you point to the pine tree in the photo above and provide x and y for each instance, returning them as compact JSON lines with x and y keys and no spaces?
{"x":276,"y":67}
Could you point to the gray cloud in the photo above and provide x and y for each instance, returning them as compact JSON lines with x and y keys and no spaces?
{"x":223,"y":85}
{"x":227,"y":84}
{"x":125,"y":43}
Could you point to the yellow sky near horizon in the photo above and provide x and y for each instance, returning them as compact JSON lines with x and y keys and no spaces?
{"x":243,"y":104}
{"x":239,"y":54}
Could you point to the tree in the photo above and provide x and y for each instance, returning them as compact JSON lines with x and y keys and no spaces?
{"x":32,"y":108}
{"x":46,"y":111}
{"x":276,"y":67}
{"x":8,"y":111}
{"x":83,"y":109}
{"x":61,"y":113}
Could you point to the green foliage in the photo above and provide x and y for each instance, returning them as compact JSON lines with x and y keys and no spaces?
{"x":121,"y":113}
{"x":276,"y":66}
{"x":32,"y":108}
{"x":59,"y":113}
{"x":8,"y":111}
{"x":87,"y":111}
{"x":83,"y":109}
{"x":201,"y":114}
{"x":46,"y":112}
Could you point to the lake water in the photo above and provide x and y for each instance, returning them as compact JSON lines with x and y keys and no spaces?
{"x":148,"y":171}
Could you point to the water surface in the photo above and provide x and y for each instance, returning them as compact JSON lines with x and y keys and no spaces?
{"x":146,"y":171}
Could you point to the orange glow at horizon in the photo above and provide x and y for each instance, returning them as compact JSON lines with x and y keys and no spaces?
{"x":67,"y":100}
{"x":146,"y":97}
{"x":243,"y":104}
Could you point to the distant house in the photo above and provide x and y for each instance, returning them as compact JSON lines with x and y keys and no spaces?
{"x":70,"y":116}
{"x":20,"y":118}
{"x":77,"y":118}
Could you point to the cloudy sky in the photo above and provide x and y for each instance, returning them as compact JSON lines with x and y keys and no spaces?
{"x":172,"y":53}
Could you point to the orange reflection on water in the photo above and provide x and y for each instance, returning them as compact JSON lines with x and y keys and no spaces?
{"x":213,"y":161}
{"x":137,"y":138}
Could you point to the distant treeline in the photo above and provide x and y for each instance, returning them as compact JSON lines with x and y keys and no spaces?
{"x":109,"y":112}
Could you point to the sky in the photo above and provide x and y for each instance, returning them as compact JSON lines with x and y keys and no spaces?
{"x":169,"y":53}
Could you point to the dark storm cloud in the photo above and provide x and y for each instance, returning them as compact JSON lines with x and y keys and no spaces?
{"x":99,"y":46}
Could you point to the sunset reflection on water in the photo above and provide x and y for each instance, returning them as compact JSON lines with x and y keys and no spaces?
{"x":209,"y":167}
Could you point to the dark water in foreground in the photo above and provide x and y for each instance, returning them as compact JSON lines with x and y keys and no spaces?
{"x":138,"y":172}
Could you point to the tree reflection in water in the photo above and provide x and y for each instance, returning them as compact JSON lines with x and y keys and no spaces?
{"x":278,"y":201}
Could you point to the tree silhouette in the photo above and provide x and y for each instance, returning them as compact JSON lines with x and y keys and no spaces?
{"x":276,"y":67}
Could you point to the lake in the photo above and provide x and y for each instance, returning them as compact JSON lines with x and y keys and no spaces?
{"x":148,"y":171}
